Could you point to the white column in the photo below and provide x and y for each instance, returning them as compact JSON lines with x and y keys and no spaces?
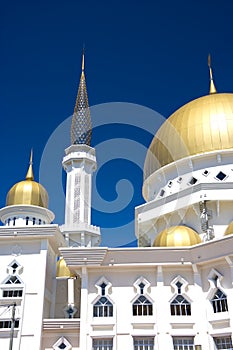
{"x":84,"y":309}
{"x":79,"y":164}
{"x":71,"y":291}
{"x":199,"y":311}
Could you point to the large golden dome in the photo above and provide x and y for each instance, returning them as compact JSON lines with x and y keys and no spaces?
{"x":28,"y":192}
{"x":229,"y":229}
{"x":202,"y":125}
{"x":177,"y":236}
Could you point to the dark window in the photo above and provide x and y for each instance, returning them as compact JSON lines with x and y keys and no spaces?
{"x":193,"y":181}
{"x":62,"y":346}
{"x":7,"y":324}
{"x":33,"y":221}
{"x":12,"y":293}
{"x":221,"y":176}
{"x":103,"y":286}
{"x":162,"y":192}
{"x":141,"y":286}
{"x":180,"y":306}
{"x":27,"y":220}
{"x":14,"y":267}
{"x":103,"y":308}
{"x":219,"y":302}
{"x":179,"y":285}
{"x":142,"y":307}
{"x":13,"y":280}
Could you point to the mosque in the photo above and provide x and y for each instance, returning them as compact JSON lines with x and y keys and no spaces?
{"x":173,"y":291}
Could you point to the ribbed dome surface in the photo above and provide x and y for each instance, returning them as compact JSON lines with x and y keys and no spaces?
{"x":177,"y":236}
{"x":229,"y":229}
{"x":202,"y":125}
{"x":28,"y":192}
{"x":62,"y":269}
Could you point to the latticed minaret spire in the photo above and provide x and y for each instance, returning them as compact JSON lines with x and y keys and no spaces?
{"x":81,"y":129}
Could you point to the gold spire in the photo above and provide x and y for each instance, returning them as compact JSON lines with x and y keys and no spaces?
{"x":212,"y":86}
{"x":83,"y":61}
{"x":28,"y":191}
{"x":81,"y":129}
{"x":30,"y":175}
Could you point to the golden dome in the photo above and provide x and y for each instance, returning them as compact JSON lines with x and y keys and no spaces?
{"x":202,"y":125}
{"x":177,"y":236}
{"x":28,"y":192}
{"x":62,"y":270}
{"x":229,"y":229}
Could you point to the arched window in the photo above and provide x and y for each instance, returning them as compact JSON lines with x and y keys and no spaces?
{"x":27,"y":219}
{"x":142,"y":307}
{"x":103,"y":308}
{"x":219,"y":301}
{"x":180,"y":306}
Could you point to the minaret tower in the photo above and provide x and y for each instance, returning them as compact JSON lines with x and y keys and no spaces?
{"x":79,"y":164}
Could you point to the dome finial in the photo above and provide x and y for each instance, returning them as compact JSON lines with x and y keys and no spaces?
{"x":212,"y":86}
{"x":30,"y":175}
{"x":81,"y":129}
{"x":83,"y":62}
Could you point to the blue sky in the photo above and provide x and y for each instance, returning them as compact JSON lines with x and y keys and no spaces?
{"x":151,"y":53}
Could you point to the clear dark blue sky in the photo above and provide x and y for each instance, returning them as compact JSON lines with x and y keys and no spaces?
{"x":151,"y":53}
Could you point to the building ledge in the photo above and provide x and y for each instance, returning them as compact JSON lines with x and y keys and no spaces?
{"x":61,"y":323}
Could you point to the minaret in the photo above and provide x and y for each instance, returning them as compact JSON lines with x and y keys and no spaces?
{"x":79,"y":164}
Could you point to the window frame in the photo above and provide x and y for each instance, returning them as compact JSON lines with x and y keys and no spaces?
{"x":98,"y":346}
{"x":143,"y":343}
{"x":182,"y":343}
{"x":142,"y":307}
{"x":224,"y":340}
{"x":180,"y":307}
{"x":103,"y":307}
{"x":219,"y":304}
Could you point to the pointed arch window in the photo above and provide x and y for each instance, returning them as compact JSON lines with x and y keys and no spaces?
{"x":179,"y":305}
{"x":13,"y":280}
{"x":142,"y":307}
{"x":103,"y":308}
{"x":219,"y":302}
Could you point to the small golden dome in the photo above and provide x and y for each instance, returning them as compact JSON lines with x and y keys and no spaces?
{"x":62,"y":270}
{"x":202,"y":125}
{"x":28,"y":191}
{"x":177,"y":236}
{"x":229,"y":229}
